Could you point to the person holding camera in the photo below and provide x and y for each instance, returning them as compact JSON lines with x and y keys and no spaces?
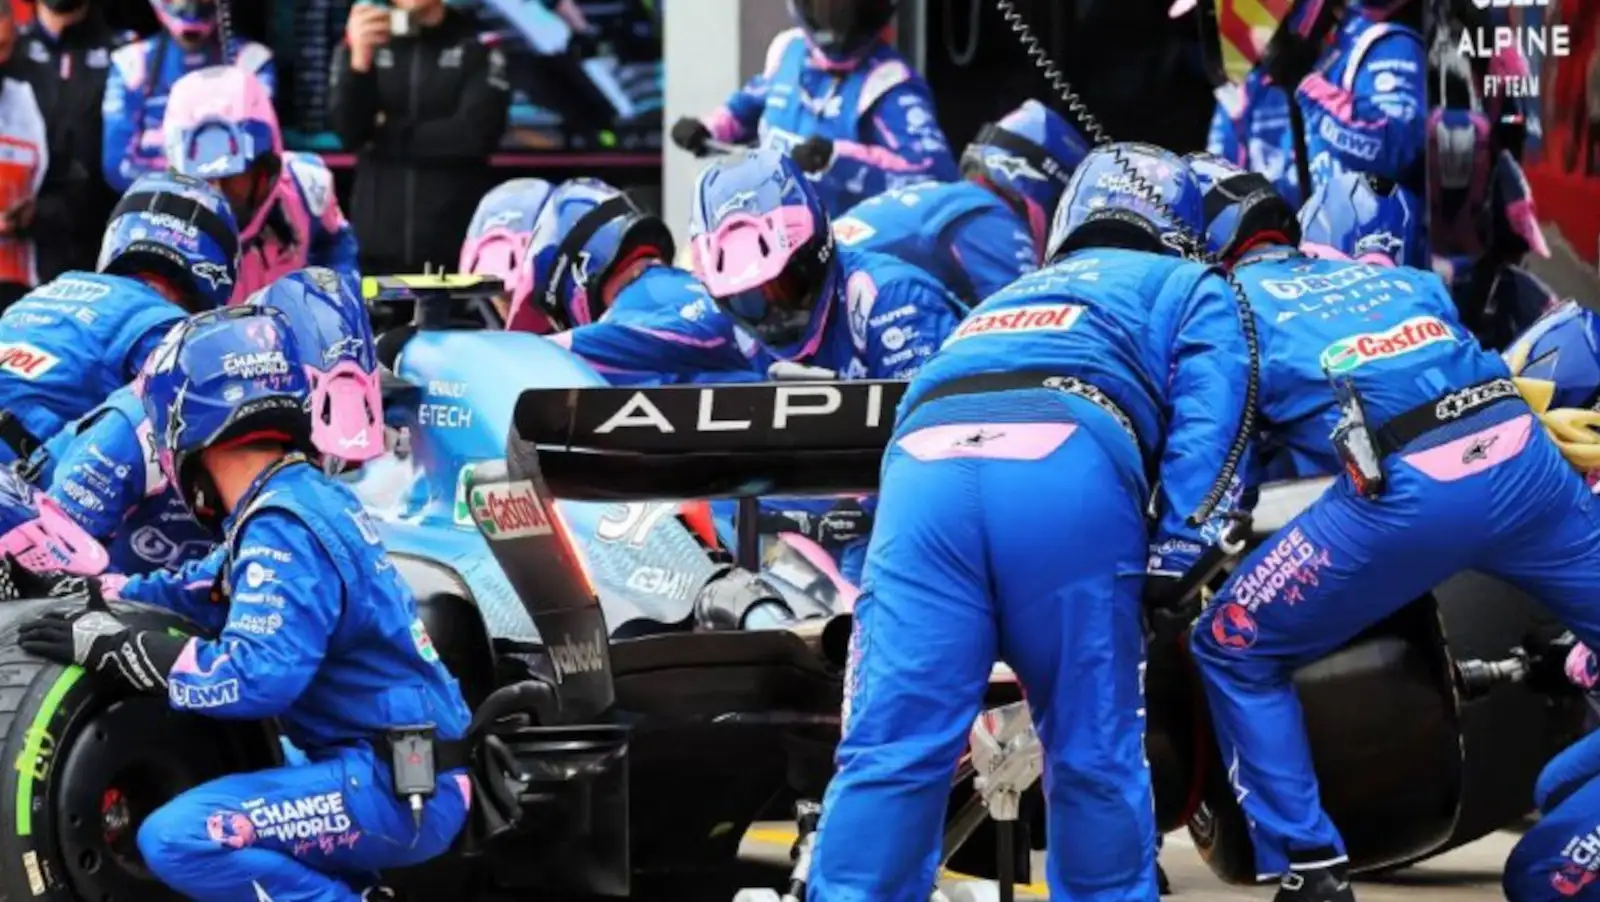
{"x":423,"y":101}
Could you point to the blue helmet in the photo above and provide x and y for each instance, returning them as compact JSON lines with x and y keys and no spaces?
{"x":1028,"y":157}
{"x":1364,"y":220}
{"x":1112,"y":201}
{"x":40,"y":535}
{"x":761,"y":242}
{"x":585,"y":232}
{"x":1563,"y":349}
{"x":1242,"y":209}
{"x":842,"y":30}
{"x":334,"y":336}
{"x":221,"y":378}
{"x":178,"y":228}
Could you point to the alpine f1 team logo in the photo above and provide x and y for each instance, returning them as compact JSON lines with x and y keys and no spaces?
{"x":509,"y":510}
{"x":1030,"y":318}
{"x":1346,"y":354}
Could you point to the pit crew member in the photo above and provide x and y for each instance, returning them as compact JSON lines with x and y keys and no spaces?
{"x":108,"y":478}
{"x":1039,"y":395}
{"x":599,"y":269}
{"x":980,"y":234}
{"x":762,"y":244}
{"x":308,"y":594}
{"x":221,"y":127}
{"x":1427,"y":430}
{"x":170,"y":248}
{"x":841,"y":101}
{"x":132,"y":143}
{"x":497,"y":240}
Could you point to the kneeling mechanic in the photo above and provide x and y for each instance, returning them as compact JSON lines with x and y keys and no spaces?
{"x":305,"y":593}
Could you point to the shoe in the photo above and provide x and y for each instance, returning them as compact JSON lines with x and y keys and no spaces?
{"x":378,"y":894}
{"x":1314,"y":879}
{"x":1161,"y":880}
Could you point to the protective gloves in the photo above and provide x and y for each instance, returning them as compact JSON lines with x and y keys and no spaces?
{"x":1166,"y":614}
{"x":17,"y":581}
{"x":691,"y":134}
{"x":814,"y":154}
{"x":100,"y":642}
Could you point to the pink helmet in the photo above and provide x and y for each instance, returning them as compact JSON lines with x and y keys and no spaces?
{"x":497,"y":239}
{"x":220,"y":122}
{"x":40,"y":535}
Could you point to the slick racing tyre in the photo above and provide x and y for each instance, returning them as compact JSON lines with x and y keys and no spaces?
{"x":80,"y":769}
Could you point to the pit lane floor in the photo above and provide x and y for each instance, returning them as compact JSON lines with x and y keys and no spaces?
{"x":1468,"y":874}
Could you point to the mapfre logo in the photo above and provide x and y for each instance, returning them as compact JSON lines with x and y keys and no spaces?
{"x":1346,"y":354}
{"x":1032,"y":318}
{"x":509,"y":510}
{"x":850,"y":232}
{"x":25,"y":360}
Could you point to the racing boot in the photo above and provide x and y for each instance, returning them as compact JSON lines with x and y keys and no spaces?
{"x":1312,"y":879}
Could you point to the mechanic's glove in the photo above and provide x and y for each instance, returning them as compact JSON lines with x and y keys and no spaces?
{"x":1166,"y":613}
{"x":98,"y":641}
{"x":794,"y":371}
{"x":691,"y":134}
{"x":1289,"y":58}
{"x":17,"y":581}
{"x":814,"y":154}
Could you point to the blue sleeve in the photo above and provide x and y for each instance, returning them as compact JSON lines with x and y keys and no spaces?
{"x":185,"y":591}
{"x":1206,"y":392}
{"x":1567,"y":773}
{"x":1377,"y":126}
{"x":286,"y":601}
{"x":736,"y":120}
{"x":994,"y":248}
{"x":912,"y":320}
{"x":901,"y":143}
{"x":153,"y":325}
{"x":1221,"y":139}
{"x":101,"y":475}
{"x":336,"y":250}
{"x":117,"y":133}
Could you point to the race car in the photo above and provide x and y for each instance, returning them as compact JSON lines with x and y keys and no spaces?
{"x":528,"y":503}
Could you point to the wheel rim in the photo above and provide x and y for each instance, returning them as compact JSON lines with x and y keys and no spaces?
{"x":128,"y":760}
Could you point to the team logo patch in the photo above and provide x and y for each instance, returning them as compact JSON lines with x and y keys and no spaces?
{"x":1346,"y":354}
{"x":850,"y":232}
{"x":25,"y":360}
{"x":1031,"y":318}
{"x":509,"y":510}
{"x":1233,"y":627}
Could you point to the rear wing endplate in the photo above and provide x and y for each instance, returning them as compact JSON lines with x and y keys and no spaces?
{"x":713,"y":441}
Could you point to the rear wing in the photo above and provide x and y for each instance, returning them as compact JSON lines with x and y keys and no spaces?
{"x":713,"y":441}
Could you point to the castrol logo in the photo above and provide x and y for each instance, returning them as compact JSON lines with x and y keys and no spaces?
{"x":1346,"y":354}
{"x":509,"y":510}
{"x":1032,"y":318}
{"x":25,"y":360}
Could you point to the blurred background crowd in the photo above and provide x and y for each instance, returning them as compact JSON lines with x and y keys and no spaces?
{"x":415,"y":136}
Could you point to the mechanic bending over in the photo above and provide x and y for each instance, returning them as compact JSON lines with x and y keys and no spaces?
{"x":598,"y":270}
{"x":762,"y":243}
{"x":221,"y":127}
{"x":837,"y":97}
{"x":1355,"y":217}
{"x":107,"y":477}
{"x":309,"y":594}
{"x":170,"y":248}
{"x":980,"y":234}
{"x":142,"y":73}
{"x":1557,"y":369}
{"x":1427,"y":433}
{"x":1039,"y":394}
{"x":497,"y":240}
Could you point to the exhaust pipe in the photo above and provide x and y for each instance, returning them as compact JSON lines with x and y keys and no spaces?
{"x":827,"y":637}
{"x":736,"y":599}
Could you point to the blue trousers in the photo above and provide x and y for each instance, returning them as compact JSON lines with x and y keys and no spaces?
{"x":303,"y":833}
{"x":1009,"y":526}
{"x":1498,"y":499}
{"x":1559,"y":858}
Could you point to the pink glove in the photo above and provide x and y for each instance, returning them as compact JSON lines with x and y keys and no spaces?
{"x":1583,"y":669}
